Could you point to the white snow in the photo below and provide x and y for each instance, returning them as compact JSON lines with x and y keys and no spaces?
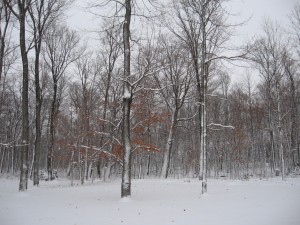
{"x":126,"y":94}
{"x":153,"y":202}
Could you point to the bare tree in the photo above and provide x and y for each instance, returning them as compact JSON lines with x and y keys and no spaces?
{"x":130,"y":81}
{"x":290,"y":70}
{"x":8,"y":48}
{"x":5,"y":19}
{"x":23,"y":6}
{"x":203,"y":29}
{"x":173,"y":87}
{"x":267,"y":54}
{"x":127,"y":99}
{"x":295,"y":20}
{"x":9,"y":115}
{"x":83,"y":97}
{"x":42,"y":14}
{"x":60,"y":51}
{"x":290,"y":66}
{"x":111,"y":51}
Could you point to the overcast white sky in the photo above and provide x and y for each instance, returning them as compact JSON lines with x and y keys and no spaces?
{"x":277,"y":10}
{"x":257,"y":10}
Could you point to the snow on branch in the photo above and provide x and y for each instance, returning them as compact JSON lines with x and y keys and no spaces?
{"x":102,"y":133}
{"x":109,"y":154}
{"x":8,"y":145}
{"x":199,"y":103}
{"x":187,"y":119}
{"x":237,"y":57}
{"x":285,"y":114}
{"x":216,"y":96}
{"x":134,"y":84}
{"x":220,"y":125}
{"x":148,"y":148}
{"x":108,"y":134}
{"x":107,"y":121}
{"x":5,"y":145}
{"x":149,"y":89}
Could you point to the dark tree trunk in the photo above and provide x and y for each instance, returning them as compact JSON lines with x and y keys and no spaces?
{"x":25,"y":121}
{"x":38,"y":108}
{"x":4,"y":19}
{"x":52,"y":132}
{"x":2,"y":46}
{"x":294,"y":121}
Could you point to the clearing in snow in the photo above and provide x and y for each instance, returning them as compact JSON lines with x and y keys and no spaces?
{"x":153,"y":202}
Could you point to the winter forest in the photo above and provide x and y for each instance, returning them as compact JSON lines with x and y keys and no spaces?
{"x":151,"y":96}
{"x":161,"y":103}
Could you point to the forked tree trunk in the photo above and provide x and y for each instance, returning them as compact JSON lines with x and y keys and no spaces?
{"x":167,"y":153}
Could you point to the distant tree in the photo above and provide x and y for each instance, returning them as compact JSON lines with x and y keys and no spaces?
{"x":60,"y":51}
{"x":173,"y":87}
{"x":10,"y":115}
{"x":83,"y":97}
{"x":290,"y":71}
{"x":295,"y":20}
{"x":111,"y":39}
{"x":8,"y":53}
{"x":202,"y":27}
{"x":291,"y":65}
{"x":5,"y":19}
{"x":267,"y":53}
{"x":42,"y":14}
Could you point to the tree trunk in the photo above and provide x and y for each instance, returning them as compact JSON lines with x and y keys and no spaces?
{"x":70,"y":172}
{"x":280,"y":132}
{"x":2,"y":158}
{"x":2,"y":47}
{"x":272,"y":150}
{"x":12,"y":161}
{"x":203,"y":146}
{"x":24,"y":166}
{"x":148,"y":163}
{"x":4,"y":20}
{"x":294,"y":121}
{"x":127,"y":99}
{"x":167,"y":153}
{"x":204,"y":77}
{"x":86,"y":170}
{"x":126,"y":173}
{"x":38,"y":107}
{"x":52,"y":132}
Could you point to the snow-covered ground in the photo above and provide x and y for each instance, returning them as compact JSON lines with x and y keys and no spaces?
{"x":154,"y":202}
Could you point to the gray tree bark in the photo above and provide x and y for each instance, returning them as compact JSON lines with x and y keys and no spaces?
{"x":280,"y":131}
{"x":21,"y":16}
{"x":25,"y":99}
{"x":167,"y":152}
{"x":127,"y":99}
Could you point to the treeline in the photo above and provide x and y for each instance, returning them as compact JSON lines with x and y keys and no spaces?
{"x":186,"y":117}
